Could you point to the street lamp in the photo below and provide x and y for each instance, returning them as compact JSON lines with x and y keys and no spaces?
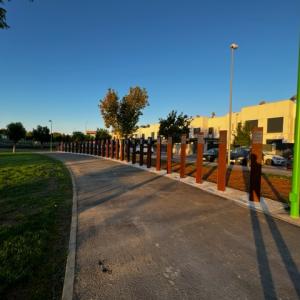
{"x":233,"y":47}
{"x":51,"y":136}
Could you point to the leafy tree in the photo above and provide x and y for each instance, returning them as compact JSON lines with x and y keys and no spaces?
{"x":78,"y":136}
{"x":123,"y":116}
{"x":57,"y":137}
{"x":29,"y":135}
{"x":3,"y":132}
{"x":109,"y":109}
{"x":102,"y":134}
{"x":174,"y":125}
{"x":3,"y":24}
{"x":41,"y":134}
{"x":15,"y":132}
{"x":242,"y":135}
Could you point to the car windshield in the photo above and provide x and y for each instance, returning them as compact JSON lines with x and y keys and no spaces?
{"x":212,"y":151}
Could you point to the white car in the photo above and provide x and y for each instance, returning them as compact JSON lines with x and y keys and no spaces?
{"x":273,"y":159}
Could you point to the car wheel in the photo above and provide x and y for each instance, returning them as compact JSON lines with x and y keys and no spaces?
{"x":269,"y":162}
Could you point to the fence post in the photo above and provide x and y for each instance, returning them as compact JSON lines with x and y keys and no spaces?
{"x":128,"y":149}
{"x":107,"y":148}
{"x":117,"y":149}
{"x":134,"y":151}
{"x":141,"y":151}
{"x":169,"y":155}
{"x":112,"y":149}
{"x":182,"y":156}
{"x":122,"y":149}
{"x":149,"y":152}
{"x":158,"y":153}
{"x":256,"y":160}
{"x":199,"y":163}
{"x":222,"y":160}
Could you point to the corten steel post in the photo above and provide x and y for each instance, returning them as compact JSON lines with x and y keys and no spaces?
{"x":169,"y":155}
{"x":149,"y":152}
{"x":199,"y":162}
{"x":255,"y":163}
{"x":182,"y":156}
{"x":99,"y":148}
{"x":233,"y":47}
{"x":122,"y":146}
{"x":128,"y":150}
{"x":83,"y":147}
{"x":112,"y":151}
{"x":222,"y":161}
{"x":103,"y":147}
{"x":107,"y":148}
{"x":295,"y":192}
{"x":158,"y":153}
{"x":141,"y":151}
{"x":92,"y":147}
{"x":96,"y":148}
{"x":134,"y":151}
{"x":117,"y":149}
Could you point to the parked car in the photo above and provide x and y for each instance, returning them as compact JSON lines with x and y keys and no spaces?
{"x":211,"y":154}
{"x":240,"y":156}
{"x":273,"y":159}
{"x":145,"y":149}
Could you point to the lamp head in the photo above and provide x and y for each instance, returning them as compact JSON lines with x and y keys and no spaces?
{"x":234,"y":46}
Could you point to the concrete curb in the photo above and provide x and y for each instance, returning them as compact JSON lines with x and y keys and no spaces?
{"x":267,"y":206}
{"x":68,"y":287}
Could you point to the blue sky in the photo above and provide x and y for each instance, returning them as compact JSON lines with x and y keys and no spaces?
{"x":60,"y":56}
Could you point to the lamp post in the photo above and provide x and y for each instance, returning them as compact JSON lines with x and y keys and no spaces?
{"x":50,"y":136}
{"x":295,"y":192}
{"x":233,"y":47}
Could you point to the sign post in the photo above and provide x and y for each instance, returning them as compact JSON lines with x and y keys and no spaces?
{"x":169,"y":155}
{"x":256,"y":160}
{"x":222,"y":160}
{"x":182,"y":156}
{"x":295,"y":192}
{"x":199,"y":162}
{"x":158,"y":153}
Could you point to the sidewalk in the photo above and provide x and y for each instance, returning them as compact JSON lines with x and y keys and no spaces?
{"x":143,"y":236}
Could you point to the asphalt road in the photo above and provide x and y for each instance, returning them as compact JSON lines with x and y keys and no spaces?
{"x":141,"y":236}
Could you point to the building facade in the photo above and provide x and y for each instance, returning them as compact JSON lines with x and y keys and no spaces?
{"x":277,"y":119}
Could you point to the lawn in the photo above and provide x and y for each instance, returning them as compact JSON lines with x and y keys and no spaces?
{"x":35,"y":215}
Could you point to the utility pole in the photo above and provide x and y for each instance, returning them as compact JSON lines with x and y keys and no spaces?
{"x":295,"y":193}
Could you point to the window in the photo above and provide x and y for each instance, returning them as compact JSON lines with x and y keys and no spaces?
{"x":275,"y":125}
{"x":251,"y":124}
{"x":196,"y":131}
{"x":211,"y":130}
{"x":152,"y":135}
{"x":143,"y":136}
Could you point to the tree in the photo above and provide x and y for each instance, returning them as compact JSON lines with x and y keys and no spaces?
{"x":15,"y":132}
{"x":57,"y":137}
{"x":41,"y":134}
{"x":123,"y":116}
{"x":242,"y":135}
{"x":174,"y":125}
{"x":78,"y":136}
{"x":3,"y":24}
{"x":29,"y":135}
{"x":102,"y":134}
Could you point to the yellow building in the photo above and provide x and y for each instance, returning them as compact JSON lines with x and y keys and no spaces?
{"x":277,"y":119}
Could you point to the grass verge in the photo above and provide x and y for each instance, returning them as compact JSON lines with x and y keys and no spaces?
{"x":35,"y":214}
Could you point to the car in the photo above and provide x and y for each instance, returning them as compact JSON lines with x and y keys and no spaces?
{"x":273,"y":159}
{"x":240,"y":156}
{"x":211,"y":154}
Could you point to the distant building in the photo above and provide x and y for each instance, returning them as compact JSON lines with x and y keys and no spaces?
{"x":277,"y":119}
{"x":91,"y":132}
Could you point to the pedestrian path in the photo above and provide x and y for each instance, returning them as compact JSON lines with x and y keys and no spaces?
{"x":145,"y":236}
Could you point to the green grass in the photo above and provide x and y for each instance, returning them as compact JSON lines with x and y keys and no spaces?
{"x":35,"y":214}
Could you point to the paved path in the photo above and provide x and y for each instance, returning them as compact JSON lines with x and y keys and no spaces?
{"x":141,"y":236}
